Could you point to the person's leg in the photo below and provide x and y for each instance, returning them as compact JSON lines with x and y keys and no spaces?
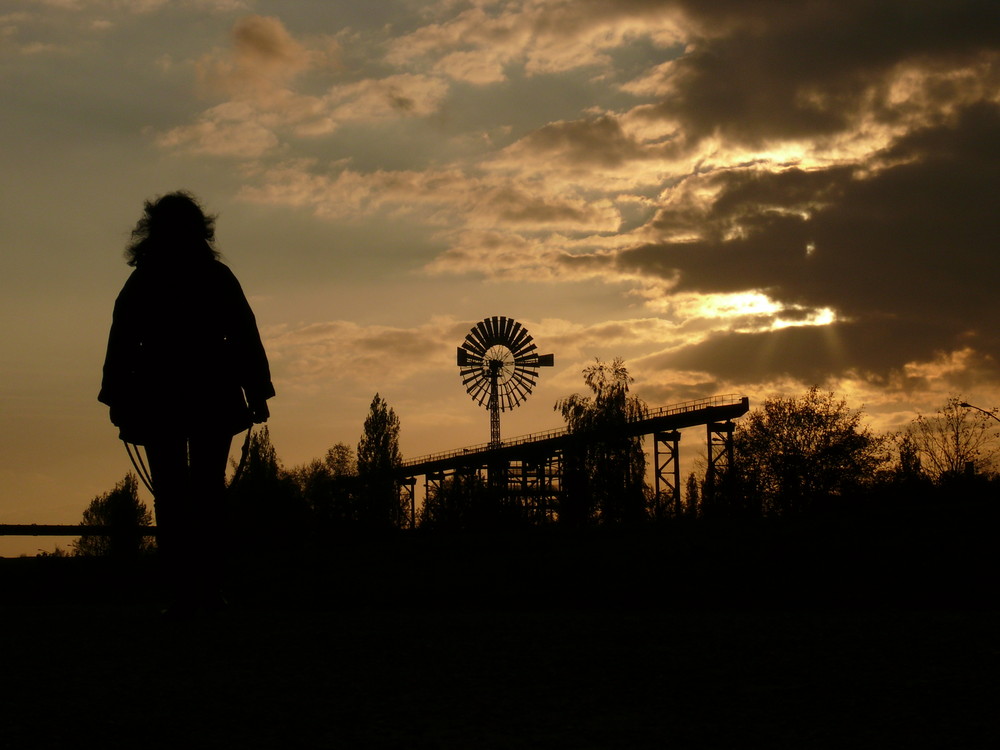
{"x":168,"y":467}
{"x":209,"y":455}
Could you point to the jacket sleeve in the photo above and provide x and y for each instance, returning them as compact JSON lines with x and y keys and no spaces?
{"x":123,"y":341}
{"x":252,"y":368}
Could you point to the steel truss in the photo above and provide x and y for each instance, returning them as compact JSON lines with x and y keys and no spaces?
{"x":531,"y":469}
{"x":535,"y":483}
{"x":667,"y":475}
{"x":720,"y":461}
{"x":408,"y":497}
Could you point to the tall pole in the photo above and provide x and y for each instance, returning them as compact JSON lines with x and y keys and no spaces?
{"x":970,"y":464}
{"x":495,"y":366}
{"x":977,"y":408}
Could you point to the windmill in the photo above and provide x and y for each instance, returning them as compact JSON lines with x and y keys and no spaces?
{"x":499,"y":367}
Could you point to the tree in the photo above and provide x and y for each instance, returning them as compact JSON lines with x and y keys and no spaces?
{"x":606,"y":471}
{"x":461,"y":502}
{"x":794,"y":452}
{"x":908,"y":464}
{"x":123,"y":513}
{"x":955,"y":438}
{"x":692,"y":494}
{"x":341,"y":461}
{"x":329,"y":487}
{"x":378,"y":461}
{"x":266,"y":499}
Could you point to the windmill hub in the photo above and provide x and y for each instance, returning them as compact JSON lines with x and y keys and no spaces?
{"x":498,"y":362}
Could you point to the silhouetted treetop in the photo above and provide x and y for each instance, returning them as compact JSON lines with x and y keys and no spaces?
{"x":954,"y":437}
{"x":792,"y":451}
{"x":605,"y":472}
{"x":123,"y":513}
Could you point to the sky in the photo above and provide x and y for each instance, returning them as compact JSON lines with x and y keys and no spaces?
{"x":734,"y":197}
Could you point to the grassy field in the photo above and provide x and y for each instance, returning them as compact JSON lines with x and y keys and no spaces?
{"x":726,"y":639}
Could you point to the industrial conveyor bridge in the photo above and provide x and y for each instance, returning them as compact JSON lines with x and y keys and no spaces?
{"x":530,"y":466}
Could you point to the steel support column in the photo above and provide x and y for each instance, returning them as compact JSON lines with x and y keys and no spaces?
{"x":720,"y":461}
{"x":666,"y":459}
{"x":408,"y":495}
{"x":432,"y":483}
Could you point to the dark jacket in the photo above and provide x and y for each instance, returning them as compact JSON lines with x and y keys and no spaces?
{"x":184,"y":354}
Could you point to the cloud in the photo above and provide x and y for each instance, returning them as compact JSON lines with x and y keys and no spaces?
{"x":317,"y":355}
{"x":392,"y":97}
{"x":848,"y":184}
{"x":266,"y":106}
{"x":896,"y":251}
{"x":262,"y":56}
{"x":231,"y":129}
{"x":443,"y":196}
{"x":479,"y":44}
{"x":796,"y":191}
{"x":596,"y":142}
{"x":758,"y":72}
{"x":71,"y":27}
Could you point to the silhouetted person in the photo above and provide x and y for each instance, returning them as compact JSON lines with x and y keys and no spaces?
{"x":185,"y":372}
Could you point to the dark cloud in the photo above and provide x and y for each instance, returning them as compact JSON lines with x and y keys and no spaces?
{"x":810,"y":354}
{"x":599,"y":141}
{"x":903,"y":249}
{"x":777,"y":70}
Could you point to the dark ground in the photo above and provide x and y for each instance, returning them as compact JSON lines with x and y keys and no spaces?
{"x":814,"y":635}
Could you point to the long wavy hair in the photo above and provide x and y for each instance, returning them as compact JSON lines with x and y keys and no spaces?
{"x":175,"y":227}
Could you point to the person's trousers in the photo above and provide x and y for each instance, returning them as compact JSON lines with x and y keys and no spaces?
{"x":189,"y":484}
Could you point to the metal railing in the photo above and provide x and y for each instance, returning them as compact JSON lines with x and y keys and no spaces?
{"x":65,"y":529}
{"x":683,"y":407}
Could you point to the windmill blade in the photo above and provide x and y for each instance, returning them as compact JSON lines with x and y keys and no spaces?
{"x":473,"y":377}
{"x":522,"y":342}
{"x":471,"y":344}
{"x":521,"y":392}
{"x":494,"y":332}
{"x":471,"y":374}
{"x":525,"y":388}
{"x":519,"y":339}
{"x":508,"y":328}
{"x":526,"y":353}
{"x":516,"y":330}
{"x":506,"y":399}
{"x":473,"y":382}
{"x":524,"y":383}
{"x":480,"y":335}
{"x":525,"y":378}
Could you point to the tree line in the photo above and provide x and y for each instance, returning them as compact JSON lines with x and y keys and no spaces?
{"x":793,"y":456}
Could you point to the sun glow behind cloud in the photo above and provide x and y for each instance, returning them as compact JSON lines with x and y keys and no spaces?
{"x":748,"y":310}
